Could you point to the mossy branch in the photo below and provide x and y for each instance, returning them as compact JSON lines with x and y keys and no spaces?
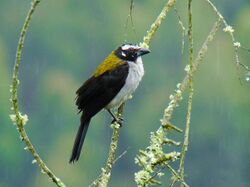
{"x":104,"y":177}
{"x":17,"y":118}
{"x":191,"y":91}
{"x":228,"y":29}
{"x":151,"y":153}
{"x":154,"y":27}
{"x":181,"y":87}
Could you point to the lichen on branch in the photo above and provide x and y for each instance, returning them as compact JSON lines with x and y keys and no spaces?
{"x":147,"y":171}
{"x":17,"y":118}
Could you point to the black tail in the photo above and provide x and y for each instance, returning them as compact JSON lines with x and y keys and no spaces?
{"x":79,"y":139}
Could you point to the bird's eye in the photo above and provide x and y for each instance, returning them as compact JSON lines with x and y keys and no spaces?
{"x":124,"y":54}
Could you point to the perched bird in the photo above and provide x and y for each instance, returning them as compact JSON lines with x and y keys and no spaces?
{"x":113,"y":81}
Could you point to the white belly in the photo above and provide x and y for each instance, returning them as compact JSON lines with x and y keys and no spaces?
{"x":135,"y":74}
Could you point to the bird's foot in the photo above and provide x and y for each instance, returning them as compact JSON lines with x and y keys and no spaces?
{"x":118,"y":120}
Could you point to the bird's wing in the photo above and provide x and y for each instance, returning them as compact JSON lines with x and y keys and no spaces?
{"x":98,"y":91}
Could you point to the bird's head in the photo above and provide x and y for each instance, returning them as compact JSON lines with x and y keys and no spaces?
{"x":130,"y":52}
{"x":124,"y":53}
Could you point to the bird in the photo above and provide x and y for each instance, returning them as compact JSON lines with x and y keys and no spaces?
{"x":111,"y":84}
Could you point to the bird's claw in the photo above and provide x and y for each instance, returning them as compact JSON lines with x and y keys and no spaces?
{"x":118,"y":120}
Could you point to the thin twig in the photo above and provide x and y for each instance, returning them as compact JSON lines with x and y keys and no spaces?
{"x":120,"y":156}
{"x":191,"y":91}
{"x":130,"y":18}
{"x":175,"y":174}
{"x":103,"y":179}
{"x":184,"y":84}
{"x":131,"y":8}
{"x":186,"y":134}
{"x":17,"y":118}
{"x":235,"y":44}
{"x":177,"y":96}
{"x":154,"y":27}
{"x":183,"y":29}
{"x":155,"y":174}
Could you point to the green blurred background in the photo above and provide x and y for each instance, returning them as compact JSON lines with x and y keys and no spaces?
{"x":66,"y":41}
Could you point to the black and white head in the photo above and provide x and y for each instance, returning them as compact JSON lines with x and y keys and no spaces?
{"x":130,"y":52}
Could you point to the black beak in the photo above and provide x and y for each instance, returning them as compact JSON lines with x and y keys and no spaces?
{"x":143,"y":51}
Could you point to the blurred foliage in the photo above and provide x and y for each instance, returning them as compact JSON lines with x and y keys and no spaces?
{"x":67,"y":39}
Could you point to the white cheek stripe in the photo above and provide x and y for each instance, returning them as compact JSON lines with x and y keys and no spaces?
{"x":127,"y":46}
